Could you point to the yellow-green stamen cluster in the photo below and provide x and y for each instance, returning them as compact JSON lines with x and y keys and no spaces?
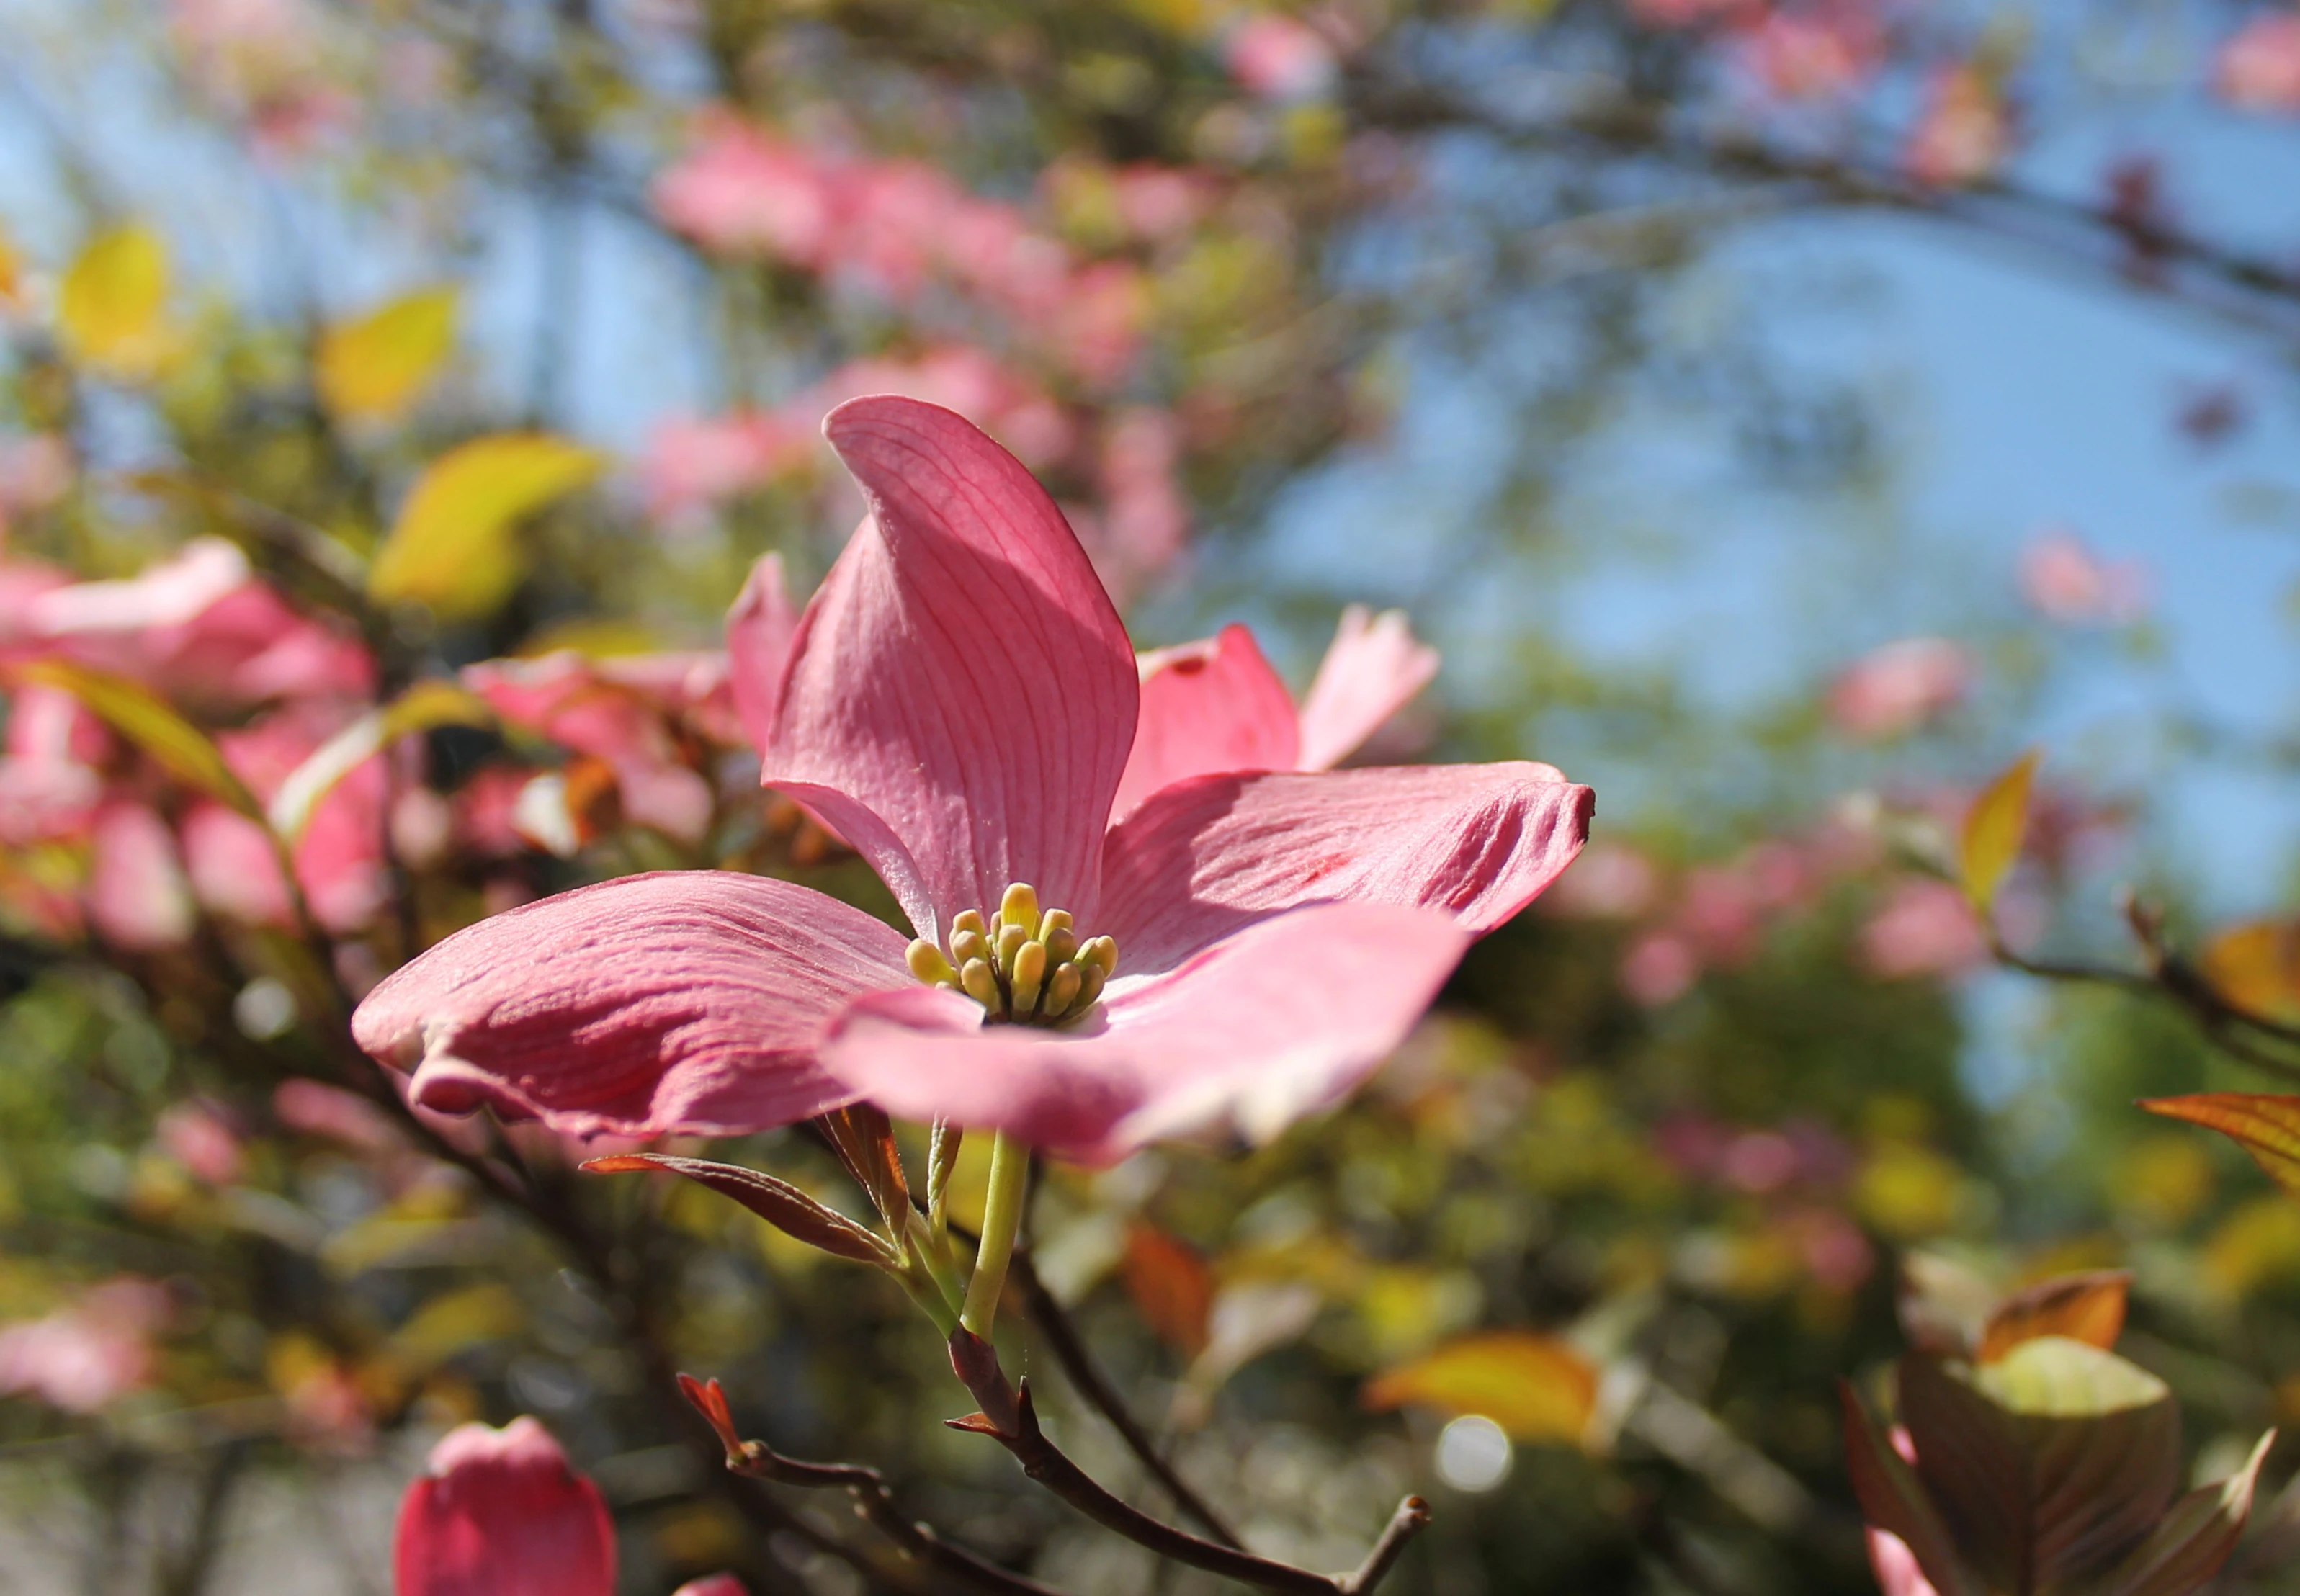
{"x":1024,"y":966}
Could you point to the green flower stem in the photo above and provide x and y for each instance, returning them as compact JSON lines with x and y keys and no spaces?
{"x":1002,"y":1218}
{"x":932,"y":1252}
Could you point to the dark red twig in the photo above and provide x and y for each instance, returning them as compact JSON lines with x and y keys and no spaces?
{"x":921,"y":1547}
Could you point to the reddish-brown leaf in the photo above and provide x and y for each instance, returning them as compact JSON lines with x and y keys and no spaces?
{"x":2265,"y":1126}
{"x":1172,"y":1287}
{"x":2089,"y":1308}
{"x":1892,"y":1499}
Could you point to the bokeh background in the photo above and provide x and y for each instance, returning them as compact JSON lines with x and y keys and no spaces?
{"x":1778,"y":413}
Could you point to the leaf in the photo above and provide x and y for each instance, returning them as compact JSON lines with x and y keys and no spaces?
{"x":455,"y":1323}
{"x":114,"y":303}
{"x":1536,"y":1387}
{"x":1171,"y":1285}
{"x":452,"y":546}
{"x":2256,"y":968}
{"x":777,"y":1201}
{"x":2089,"y":1308}
{"x":1993,"y":829}
{"x":863,"y":1138}
{"x":174,"y":743}
{"x":371,"y":368}
{"x":2182,"y":1553}
{"x":2050,"y":1464}
{"x":1893,"y":1499}
{"x":2264,"y":1123}
{"x":423,"y":706}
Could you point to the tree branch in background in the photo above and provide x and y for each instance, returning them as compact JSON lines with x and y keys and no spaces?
{"x":2233,"y":1028}
{"x":2255,"y":292}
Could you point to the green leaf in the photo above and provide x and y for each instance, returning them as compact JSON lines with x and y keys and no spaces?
{"x":2264,"y":1123}
{"x":423,"y":706}
{"x":777,"y":1201}
{"x":1993,"y":829}
{"x":174,"y":743}
{"x":454,"y":546}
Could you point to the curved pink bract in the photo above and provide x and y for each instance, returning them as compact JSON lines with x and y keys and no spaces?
{"x":961,"y":696}
{"x":686,"y":997}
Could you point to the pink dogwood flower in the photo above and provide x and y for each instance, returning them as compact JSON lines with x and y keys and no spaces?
{"x":501,"y":1514}
{"x":2064,"y":580}
{"x":960,"y":700}
{"x":1217,"y":704}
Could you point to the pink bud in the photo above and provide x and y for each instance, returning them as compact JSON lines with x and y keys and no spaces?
{"x":717,"y":1584}
{"x":501,"y":1514}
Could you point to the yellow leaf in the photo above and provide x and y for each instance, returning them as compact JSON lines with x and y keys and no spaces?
{"x":180,"y":747}
{"x":12,"y":274}
{"x":2265,"y":1126}
{"x":423,"y":706}
{"x":1536,"y":1387}
{"x":455,"y":1323}
{"x":114,"y":305}
{"x":453,"y":545}
{"x":2256,"y":967}
{"x":371,"y":368}
{"x":1992,"y":831}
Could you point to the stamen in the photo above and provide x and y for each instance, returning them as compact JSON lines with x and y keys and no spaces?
{"x":981,"y":986}
{"x":1029,"y":973}
{"x":1024,"y":964}
{"x":929,"y":965}
{"x":1061,"y":992}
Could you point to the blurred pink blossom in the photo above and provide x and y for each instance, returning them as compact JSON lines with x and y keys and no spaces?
{"x":199,"y":1138}
{"x":1659,"y":969}
{"x":1926,"y":927}
{"x":234,"y":871}
{"x":692,"y":465}
{"x":84,"y":1357}
{"x":339,"y":858}
{"x":1834,"y":1252}
{"x":46,"y":800}
{"x":1964,"y":133}
{"x":1900,"y":687}
{"x":2066,"y":581}
{"x":578,"y":703}
{"x":740,"y":192}
{"x":1277,"y":57}
{"x":315,"y":1109}
{"x":36,"y":471}
{"x":1145,"y":517}
{"x":2259,"y":68}
{"x":1611,"y":881}
{"x":1160,"y":201}
{"x":1812,"y":54}
{"x":137,"y":898}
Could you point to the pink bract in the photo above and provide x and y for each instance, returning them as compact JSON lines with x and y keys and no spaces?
{"x":501,"y":1514}
{"x":960,"y":700}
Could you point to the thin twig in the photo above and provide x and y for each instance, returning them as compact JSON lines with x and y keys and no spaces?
{"x":874,"y":1499}
{"x":2233,"y":1028}
{"x":1062,"y":1339}
{"x":1009,"y":1418}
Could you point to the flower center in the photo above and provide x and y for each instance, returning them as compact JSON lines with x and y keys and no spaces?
{"x":1024,"y":966}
